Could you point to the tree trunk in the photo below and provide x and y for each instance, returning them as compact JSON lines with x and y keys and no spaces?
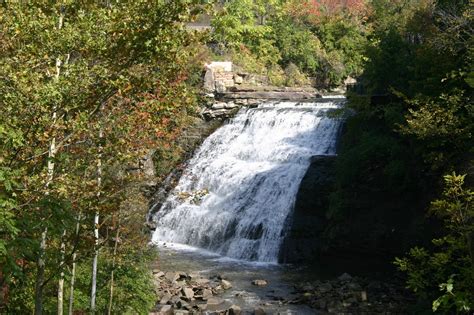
{"x":61,"y":275}
{"x":40,"y":275}
{"x":111,"y":296}
{"x":96,"y":223}
{"x":51,"y":164}
{"x":62,"y":263}
{"x":73,"y":271}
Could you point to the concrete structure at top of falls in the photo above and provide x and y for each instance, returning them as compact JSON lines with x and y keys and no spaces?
{"x":237,"y":192}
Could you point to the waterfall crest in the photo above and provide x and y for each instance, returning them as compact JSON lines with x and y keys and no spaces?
{"x":239,"y":188}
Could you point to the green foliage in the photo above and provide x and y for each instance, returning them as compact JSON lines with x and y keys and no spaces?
{"x":133,"y":289}
{"x":267,"y":34}
{"x":450,"y":265}
{"x":412,"y":124}
{"x":69,"y":70}
{"x":294,"y":77}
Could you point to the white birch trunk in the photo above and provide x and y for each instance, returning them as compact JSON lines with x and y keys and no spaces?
{"x":111,"y":296}
{"x":63,"y":238}
{"x":96,"y":223}
{"x":73,"y":271}
{"x":61,"y":275}
{"x":50,"y":176}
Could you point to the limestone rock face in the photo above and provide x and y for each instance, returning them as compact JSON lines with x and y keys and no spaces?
{"x":209,"y":81}
{"x":303,"y":241}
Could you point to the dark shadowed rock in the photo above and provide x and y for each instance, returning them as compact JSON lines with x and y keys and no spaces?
{"x":345,"y":277}
{"x":302,"y":243}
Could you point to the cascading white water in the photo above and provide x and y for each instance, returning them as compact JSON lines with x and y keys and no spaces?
{"x":238,"y":190}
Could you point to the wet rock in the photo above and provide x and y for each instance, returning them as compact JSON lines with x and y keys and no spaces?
{"x":302,"y":243}
{"x":218,"y":289}
{"x":259,"y":311}
{"x":260,"y":282}
{"x":235,"y":310}
{"x":226,"y":285}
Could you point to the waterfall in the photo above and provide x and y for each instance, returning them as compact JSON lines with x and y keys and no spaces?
{"x":239,"y":188}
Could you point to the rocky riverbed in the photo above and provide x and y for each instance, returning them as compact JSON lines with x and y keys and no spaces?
{"x":209,"y":284}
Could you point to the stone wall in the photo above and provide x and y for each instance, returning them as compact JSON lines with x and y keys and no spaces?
{"x":227,"y":89}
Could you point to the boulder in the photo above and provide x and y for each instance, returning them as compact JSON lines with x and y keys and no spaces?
{"x":206,"y":294}
{"x":226,"y":285}
{"x":259,"y":311}
{"x":165,"y":310}
{"x":165,"y":298}
{"x":188,"y":293}
{"x":218,"y":289}
{"x":260,"y":282}
{"x":172,"y":276}
{"x":235,"y":310}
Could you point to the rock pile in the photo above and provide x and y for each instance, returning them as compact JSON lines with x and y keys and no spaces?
{"x":182,"y":293}
{"x":351,"y":295}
